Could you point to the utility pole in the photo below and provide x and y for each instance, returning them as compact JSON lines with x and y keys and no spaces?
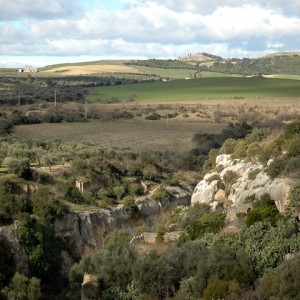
{"x":85,"y":109}
{"x":55,"y":98}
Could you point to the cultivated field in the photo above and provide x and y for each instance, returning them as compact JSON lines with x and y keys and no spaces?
{"x":162,"y":135}
{"x":204,"y":88}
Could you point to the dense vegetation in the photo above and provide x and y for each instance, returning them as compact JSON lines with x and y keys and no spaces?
{"x":264,"y":65}
{"x":37,"y":186}
{"x":162,"y":63}
{"x":203,"y":264}
{"x":34,"y":88}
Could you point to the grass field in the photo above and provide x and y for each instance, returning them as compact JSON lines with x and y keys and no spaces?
{"x":138,"y":135}
{"x":204,"y":88}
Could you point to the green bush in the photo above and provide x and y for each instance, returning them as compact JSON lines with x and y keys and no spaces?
{"x":264,"y":210}
{"x":162,"y":194}
{"x":228,"y":146}
{"x":240,"y":150}
{"x":208,"y":223}
{"x":73,"y":195}
{"x":23,"y":288}
{"x":293,"y":148}
{"x":42,"y":249}
{"x":130,"y":206}
{"x":283,"y":282}
{"x":21,"y":168}
{"x":153,"y":117}
{"x":217,"y":289}
{"x":294,"y":200}
{"x":277,"y":166}
{"x":258,"y":135}
{"x":253,"y":150}
{"x":210,"y":163}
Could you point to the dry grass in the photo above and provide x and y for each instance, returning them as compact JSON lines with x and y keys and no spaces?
{"x":93,"y":69}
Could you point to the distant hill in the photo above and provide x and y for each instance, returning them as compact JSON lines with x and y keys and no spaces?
{"x":276,"y":63}
{"x":289,"y":54}
{"x":200,"y":57}
{"x":279,"y":63}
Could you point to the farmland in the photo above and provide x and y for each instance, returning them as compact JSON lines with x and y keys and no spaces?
{"x":138,"y":135}
{"x":204,"y":88}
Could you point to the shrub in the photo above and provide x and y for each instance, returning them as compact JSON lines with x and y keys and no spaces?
{"x":293,"y":149}
{"x":162,"y":194}
{"x":153,"y":117}
{"x":252,"y":175}
{"x":282,"y":283}
{"x":210,"y":163}
{"x":240,"y":149}
{"x":217,"y":289}
{"x":42,"y":249}
{"x":73,"y":195}
{"x":292,"y":166}
{"x":257,"y":135}
{"x":277,"y":166}
{"x":228,"y":146}
{"x":211,"y":222}
{"x":292,"y":129}
{"x":22,"y":287}
{"x":264,"y":210}
{"x":294,"y":200}
{"x":130,"y":206}
{"x":253,"y":149}
{"x":21,"y":168}
{"x":42,"y":177}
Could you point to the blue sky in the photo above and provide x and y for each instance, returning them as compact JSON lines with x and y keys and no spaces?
{"x":41,"y":32}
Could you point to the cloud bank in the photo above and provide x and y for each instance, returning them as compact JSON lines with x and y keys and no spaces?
{"x":146,"y":29}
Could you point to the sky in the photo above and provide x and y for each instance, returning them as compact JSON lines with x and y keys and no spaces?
{"x":43,"y":32}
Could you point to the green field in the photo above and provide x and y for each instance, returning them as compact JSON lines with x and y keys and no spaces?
{"x":204,"y":88}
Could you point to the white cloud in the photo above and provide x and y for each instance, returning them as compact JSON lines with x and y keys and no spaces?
{"x":148,"y":28}
{"x":38,"y":9}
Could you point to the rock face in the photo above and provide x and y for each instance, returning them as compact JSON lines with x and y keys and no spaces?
{"x":149,"y":208}
{"x":87,"y":230}
{"x":238,"y":180}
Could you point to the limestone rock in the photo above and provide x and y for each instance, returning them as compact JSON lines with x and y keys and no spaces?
{"x":206,"y":189}
{"x":224,"y":160}
{"x":86,"y":231}
{"x":251,"y":179}
{"x":148,"y":207}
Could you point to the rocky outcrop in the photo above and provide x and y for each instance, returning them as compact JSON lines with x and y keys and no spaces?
{"x":87,"y":230}
{"x":149,"y":208}
{"x":238,"y":180}
{"x":150,"y":237}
